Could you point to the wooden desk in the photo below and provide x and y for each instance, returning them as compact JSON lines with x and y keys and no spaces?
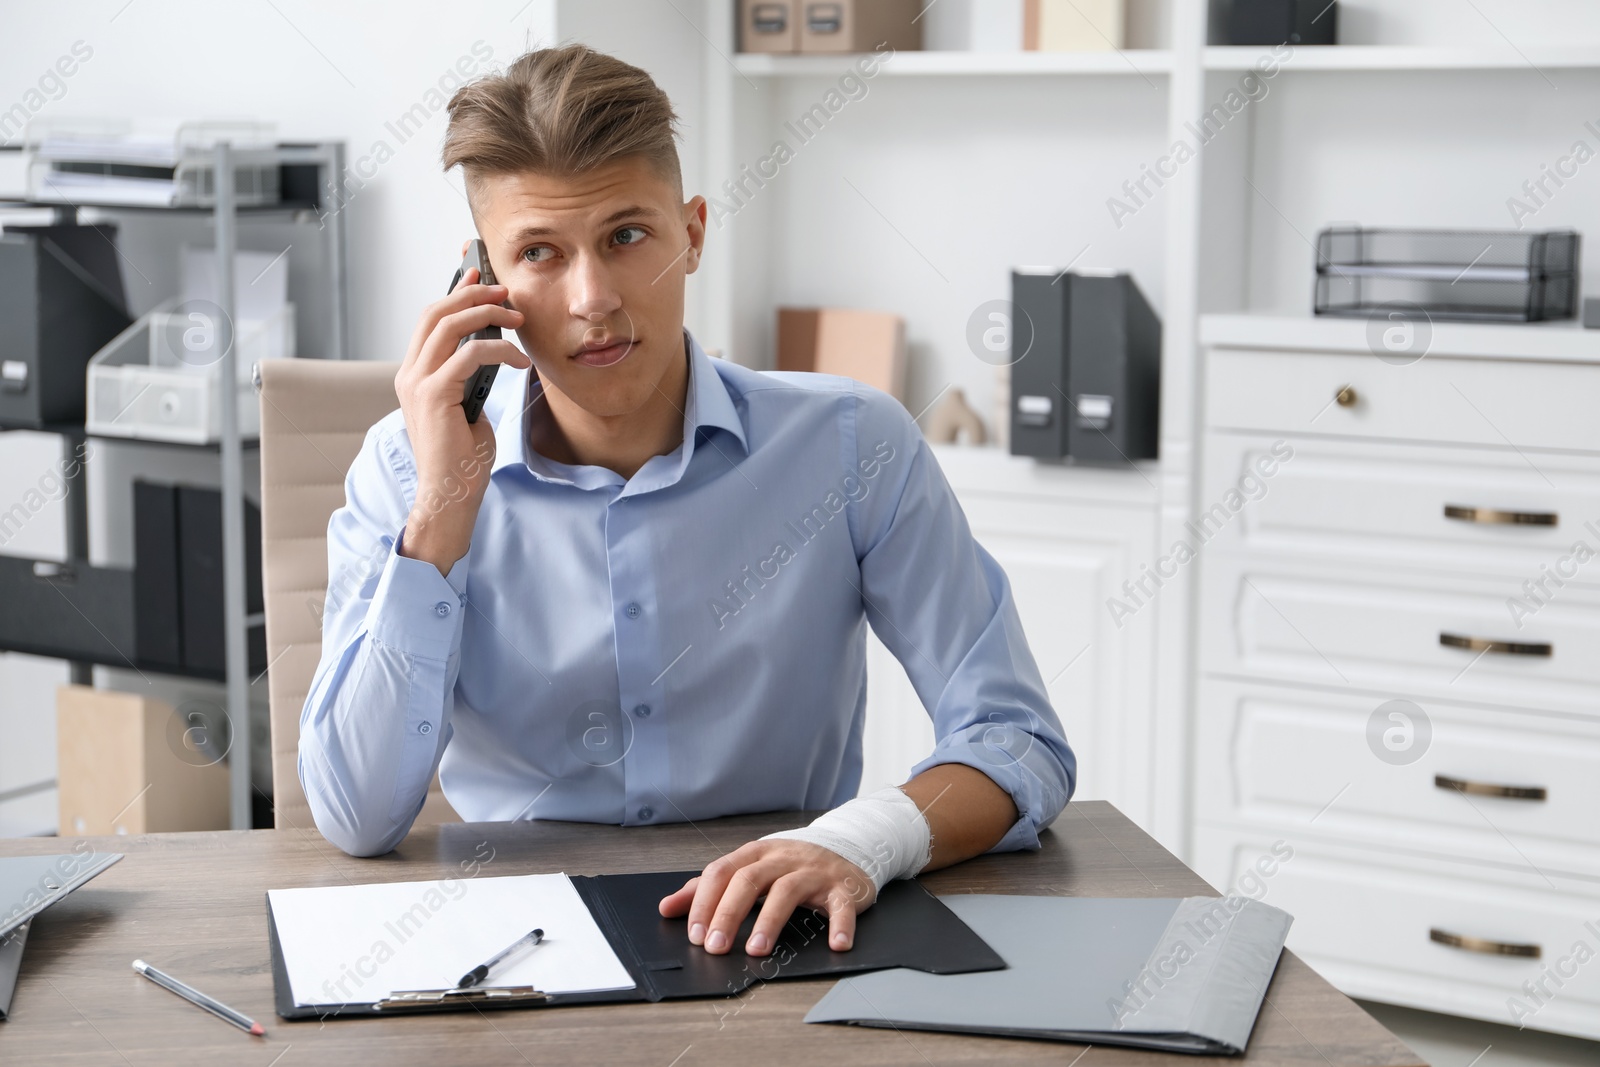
{"x":194,"y":905}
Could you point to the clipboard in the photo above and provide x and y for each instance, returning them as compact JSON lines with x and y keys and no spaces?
{"x":906,"y":927}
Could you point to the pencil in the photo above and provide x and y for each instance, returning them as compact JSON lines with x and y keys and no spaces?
{"x":199,"y":999}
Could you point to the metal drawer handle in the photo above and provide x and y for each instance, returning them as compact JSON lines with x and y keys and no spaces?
{"x":1486,"y":789}
{"x":1479,"y":944}
{"x":770,"y":18}
{"x":1485,"y":644}
{"x":1346,"y":396}
{"x":1495,"y":516}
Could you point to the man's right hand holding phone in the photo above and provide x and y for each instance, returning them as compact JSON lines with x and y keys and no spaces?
{"x":454,"y":457}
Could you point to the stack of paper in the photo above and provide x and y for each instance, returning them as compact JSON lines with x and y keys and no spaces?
{"x":125,"y":162}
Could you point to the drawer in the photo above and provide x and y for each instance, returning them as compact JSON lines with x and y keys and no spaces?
{"x":1366,"y":921}
{"x":1504,"y":405}
{"x":1380,"y":629}
{"x":1290,"y":759}
{"x":1469,"y":510}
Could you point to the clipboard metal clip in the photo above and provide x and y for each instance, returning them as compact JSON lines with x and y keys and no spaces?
{"x":476,"y":994}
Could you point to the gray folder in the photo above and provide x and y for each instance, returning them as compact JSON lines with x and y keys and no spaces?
{"x":1183,"y":975}
{"x":10,"y":963}
{"x":28,"y":885}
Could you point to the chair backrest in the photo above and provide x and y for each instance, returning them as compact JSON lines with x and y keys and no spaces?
{"x":314,"y":416}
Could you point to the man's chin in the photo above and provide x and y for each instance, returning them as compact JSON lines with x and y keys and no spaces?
{"x":608,"y":401}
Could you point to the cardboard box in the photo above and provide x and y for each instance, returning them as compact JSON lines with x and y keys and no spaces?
{"x":1074,"y":25}
{"x":859,"y":25}
{"x":769,"y":26}
{"x":869,"y":346}
{"x":127,"y":764}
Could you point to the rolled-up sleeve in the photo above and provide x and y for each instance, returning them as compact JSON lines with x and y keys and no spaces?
{"x":377,"y":718}
{"x":943,"y":606}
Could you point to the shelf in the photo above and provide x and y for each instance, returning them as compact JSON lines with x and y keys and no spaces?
{"x":214,"y":447}
{"x":1407,"y":57}
{"x":990,"y":469}
{"x":9,"y":203}
{"x":1129,"y":61}
{"x":1564,"y":342}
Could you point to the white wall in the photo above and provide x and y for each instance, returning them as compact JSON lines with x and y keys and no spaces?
{"x":319,"y":71}
{"x":1435,"y":149}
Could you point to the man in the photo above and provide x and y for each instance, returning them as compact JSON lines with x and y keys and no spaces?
{"x":636,"y":589}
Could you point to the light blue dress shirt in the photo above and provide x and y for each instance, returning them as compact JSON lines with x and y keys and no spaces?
{"x":684,"y":644}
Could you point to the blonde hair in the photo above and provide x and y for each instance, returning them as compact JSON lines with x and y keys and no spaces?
{"x":561,"y":111}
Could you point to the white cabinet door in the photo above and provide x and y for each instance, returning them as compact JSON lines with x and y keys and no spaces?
{"x":1065,"y":559}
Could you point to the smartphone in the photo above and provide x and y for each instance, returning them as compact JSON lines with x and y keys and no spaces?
{"x":477,"y":388}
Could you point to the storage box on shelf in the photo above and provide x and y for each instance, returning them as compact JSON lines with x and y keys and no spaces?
{"x":160,"y":378}
{"x":132,"y":764}
{"x":1398,"y":640}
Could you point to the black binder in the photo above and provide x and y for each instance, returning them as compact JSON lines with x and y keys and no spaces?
{"x":906,"y":927}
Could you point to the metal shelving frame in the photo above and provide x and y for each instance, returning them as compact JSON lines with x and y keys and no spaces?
{"x":329,"y":158}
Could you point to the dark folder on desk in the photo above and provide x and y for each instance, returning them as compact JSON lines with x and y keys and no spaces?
{"x":1183,"y":975}
{"x":906,"y":927}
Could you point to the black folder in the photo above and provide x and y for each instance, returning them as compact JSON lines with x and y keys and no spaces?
{"x":906,"y":927}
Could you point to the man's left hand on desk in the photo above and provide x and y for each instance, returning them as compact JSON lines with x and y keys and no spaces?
{"x":790,"y":874}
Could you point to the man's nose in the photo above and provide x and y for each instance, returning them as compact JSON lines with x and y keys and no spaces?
{"x":592,"y":295}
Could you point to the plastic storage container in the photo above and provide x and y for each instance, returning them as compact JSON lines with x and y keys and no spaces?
{"x":159,"y":381}
{"x":1487,"y":275}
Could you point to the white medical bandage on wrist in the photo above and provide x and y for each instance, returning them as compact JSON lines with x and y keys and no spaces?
{"x":884,"y":834}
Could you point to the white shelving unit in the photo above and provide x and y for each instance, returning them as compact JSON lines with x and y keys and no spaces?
{"x":921,"y":193}
{"x":1129,"y":61}
{"x":1414,"y":57}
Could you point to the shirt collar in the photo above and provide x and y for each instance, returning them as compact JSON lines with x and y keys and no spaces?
{"x":709,"y":406}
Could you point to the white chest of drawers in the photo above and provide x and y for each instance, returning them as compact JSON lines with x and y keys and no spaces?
{"x":1398,"y":637}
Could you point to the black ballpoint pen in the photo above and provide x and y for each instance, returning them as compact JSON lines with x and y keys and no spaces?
{"x":481,"y":971}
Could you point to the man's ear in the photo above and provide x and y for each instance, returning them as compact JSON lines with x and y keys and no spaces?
{"x":694,"y":217}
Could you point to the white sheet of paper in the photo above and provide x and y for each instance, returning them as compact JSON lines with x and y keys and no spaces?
{"x":355,"y":944}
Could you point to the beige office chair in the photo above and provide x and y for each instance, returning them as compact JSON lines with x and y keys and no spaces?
{"x":314,"y":415}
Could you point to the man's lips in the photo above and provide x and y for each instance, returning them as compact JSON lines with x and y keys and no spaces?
{"x":610,"y":350}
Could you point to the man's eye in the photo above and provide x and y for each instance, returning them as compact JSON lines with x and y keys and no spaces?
{"x":533,"y":255}
{"x":623,"y":235}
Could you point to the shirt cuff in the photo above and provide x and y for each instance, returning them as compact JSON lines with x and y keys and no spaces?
{"x":1024,"y":833}
{"x":417,"y":610}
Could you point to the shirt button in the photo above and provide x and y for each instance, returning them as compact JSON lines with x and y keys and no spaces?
{"x":646,"y":814}
{"x":642,"y":711}
{"x":633,"y":611}
{"x":425,"y":728}
{"x":441,"y":609}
